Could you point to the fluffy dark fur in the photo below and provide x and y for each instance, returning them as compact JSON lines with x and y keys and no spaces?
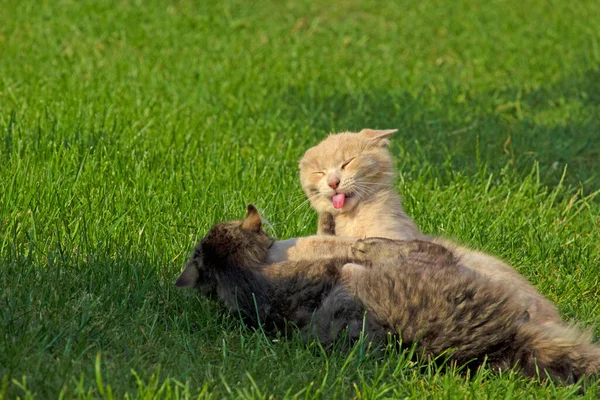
{"x":416,"y":291}
{"x":226,"y":264}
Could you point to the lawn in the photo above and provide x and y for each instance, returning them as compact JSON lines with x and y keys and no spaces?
{"x":128,"y":128}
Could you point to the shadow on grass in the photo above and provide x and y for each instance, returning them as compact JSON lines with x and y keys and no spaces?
{"x":56,"y":320}
{"x":556,"y":126}
{"x":77,"y":328}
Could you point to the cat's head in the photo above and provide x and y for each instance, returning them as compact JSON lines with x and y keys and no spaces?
{"x":241,"y":244}
{"x":347,"y":168}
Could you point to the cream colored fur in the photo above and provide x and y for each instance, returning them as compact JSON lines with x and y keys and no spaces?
{"x":310,"y":248}
{"x":365,"y":171}
{"x":363,"y":166}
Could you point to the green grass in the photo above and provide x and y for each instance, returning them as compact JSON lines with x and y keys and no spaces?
{"x":128,"y":128}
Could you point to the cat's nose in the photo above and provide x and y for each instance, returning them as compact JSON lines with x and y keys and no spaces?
{"x":334,"y":183}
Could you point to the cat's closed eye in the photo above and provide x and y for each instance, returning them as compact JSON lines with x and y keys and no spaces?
{"x":319,"y":173}
{"x":345,"y":164}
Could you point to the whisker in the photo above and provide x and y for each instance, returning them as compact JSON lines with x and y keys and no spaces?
{"x":304,"y":198}
{"x":297,"y":198}
{"x":299,"y":206}
{"x":359,"y":191}
{"x":374,"y":184}
{"x":365,"y":190}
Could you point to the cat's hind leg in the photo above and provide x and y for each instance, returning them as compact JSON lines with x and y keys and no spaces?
{"x":342,"y":316}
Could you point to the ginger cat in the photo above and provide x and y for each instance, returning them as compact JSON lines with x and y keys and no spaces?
{"x":350,"y":175}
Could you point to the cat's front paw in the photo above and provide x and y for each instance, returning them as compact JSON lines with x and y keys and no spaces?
{"x":369,"y":249}
{"x":326,"y":224}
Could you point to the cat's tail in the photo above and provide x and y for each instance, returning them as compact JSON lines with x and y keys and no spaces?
{"x":557,"y":351}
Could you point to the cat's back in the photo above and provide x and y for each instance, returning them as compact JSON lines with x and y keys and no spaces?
{"x":439,"y":306}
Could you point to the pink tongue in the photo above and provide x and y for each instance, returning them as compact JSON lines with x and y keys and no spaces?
{"x":338,"y":200}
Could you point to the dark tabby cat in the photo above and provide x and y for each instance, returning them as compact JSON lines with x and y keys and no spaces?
{"x":418,"y":292}
{"x":228,"y":265}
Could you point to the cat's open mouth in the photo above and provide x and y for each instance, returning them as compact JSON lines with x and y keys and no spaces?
{"x":339,"y":199}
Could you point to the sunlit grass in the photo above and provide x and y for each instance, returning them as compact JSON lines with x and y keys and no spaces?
{"x":128,"y":128}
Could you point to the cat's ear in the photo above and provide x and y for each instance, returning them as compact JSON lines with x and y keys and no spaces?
{"x":189,"y":277}
{"x":379,"y":136}
{"x":252,"y":220}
